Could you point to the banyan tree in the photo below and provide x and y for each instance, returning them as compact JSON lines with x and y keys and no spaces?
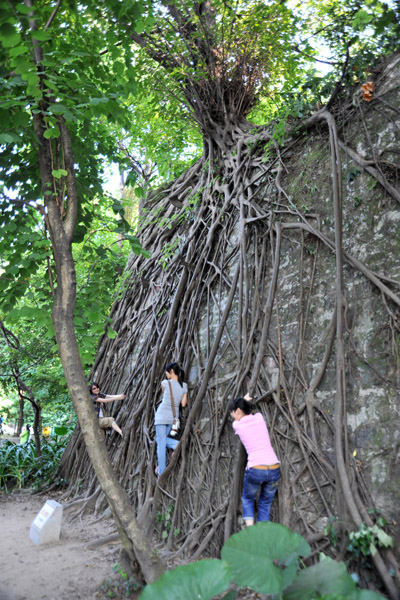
{"x":273,"y":269}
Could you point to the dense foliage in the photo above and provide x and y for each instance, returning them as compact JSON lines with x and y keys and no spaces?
{"x":100,"y":84}
{"x":100,"y":259}
{"x":20,"y":466}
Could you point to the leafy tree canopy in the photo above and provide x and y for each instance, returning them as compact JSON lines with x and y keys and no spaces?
{"x":139,"y":84}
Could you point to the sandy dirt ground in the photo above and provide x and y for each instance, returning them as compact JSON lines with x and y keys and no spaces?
{"x":63,"y":570}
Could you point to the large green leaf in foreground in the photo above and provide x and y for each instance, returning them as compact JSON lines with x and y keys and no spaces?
{"x":197,"y":581}
{"x":327,"y":579}
{"x":265,"y":556}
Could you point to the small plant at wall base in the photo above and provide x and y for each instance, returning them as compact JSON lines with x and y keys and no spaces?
{"x":330,"y":530}
{"x":165,"y":520}
{"x":363,"y":543}
{"x":266,"y":559}
{"x":119,"y":586}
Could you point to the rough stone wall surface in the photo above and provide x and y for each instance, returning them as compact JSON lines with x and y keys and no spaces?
{"x":371,"y":233}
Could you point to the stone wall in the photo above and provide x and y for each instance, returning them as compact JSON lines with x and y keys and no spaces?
{"x":371,"y":233}
{"x":369,"y":135}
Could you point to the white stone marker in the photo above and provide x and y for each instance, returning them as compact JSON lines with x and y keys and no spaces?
{"x":46,"y":526}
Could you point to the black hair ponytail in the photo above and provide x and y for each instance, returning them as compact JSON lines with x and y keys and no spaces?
{"x":241,"y":403}
{"x":177,"y":370}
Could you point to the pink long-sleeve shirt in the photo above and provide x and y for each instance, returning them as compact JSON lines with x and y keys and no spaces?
{"x":254,"y":436}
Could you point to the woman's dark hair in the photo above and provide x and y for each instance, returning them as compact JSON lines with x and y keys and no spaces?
{"x":92,"y":385}
{"x":241,"y":403}
{"x":177,"y":370}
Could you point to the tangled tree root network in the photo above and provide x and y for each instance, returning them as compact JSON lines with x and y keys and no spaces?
{"x":240,"y":259}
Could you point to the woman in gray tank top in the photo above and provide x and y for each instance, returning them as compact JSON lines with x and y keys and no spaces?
{"x":164,"y":416}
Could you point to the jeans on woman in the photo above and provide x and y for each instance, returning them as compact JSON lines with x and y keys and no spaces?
{"x":164,"y":442}
{"x":259,"y":480}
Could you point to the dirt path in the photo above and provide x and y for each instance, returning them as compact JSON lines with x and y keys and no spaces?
{"x":63,"y":570}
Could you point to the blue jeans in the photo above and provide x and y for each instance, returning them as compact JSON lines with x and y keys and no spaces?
{"x":259,"y":480}
{"x":164,"y":442}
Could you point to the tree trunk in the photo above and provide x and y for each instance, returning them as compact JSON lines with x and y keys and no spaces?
{"x":36,"y":409}
{"x":62,"y":208}
{"x":20,"y":413}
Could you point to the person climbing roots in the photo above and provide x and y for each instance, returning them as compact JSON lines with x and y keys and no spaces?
{"x":98,"y":401}
{"x":164,"y":417}
{"x":263,"y":467}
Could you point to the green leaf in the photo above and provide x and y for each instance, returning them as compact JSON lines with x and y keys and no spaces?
{"x":31,"y":78}
{"x":140,"y":192}
{"x":383,"y":538}
{"x":326,"y":577}
{"x":18,"y":51}
{"x":96,"y":101}
{"x":52,"y":132}
{"x":20,"y":119}
{"x":58,"y":173}
{"x":41,"y":36}
{"x":264,"y":556}
{"x":24,"y":10}
{"x":61,"y":430}
{"x":9,"y":36}
{"x":57,"y":109}
{"x":139,"y":26}
{"x":9,"y":138}
{"x":362,"y":17}
{"x":201,"y":581}
{"x":138,"y":250}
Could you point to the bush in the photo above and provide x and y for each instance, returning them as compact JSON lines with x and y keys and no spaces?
{"x":266,"y":559}
{"x":20,"y":467}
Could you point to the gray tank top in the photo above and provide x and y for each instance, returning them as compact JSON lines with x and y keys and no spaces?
{"x":164,"y":414}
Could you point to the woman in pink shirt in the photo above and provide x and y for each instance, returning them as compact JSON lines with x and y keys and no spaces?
{"x":263,"y":467}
